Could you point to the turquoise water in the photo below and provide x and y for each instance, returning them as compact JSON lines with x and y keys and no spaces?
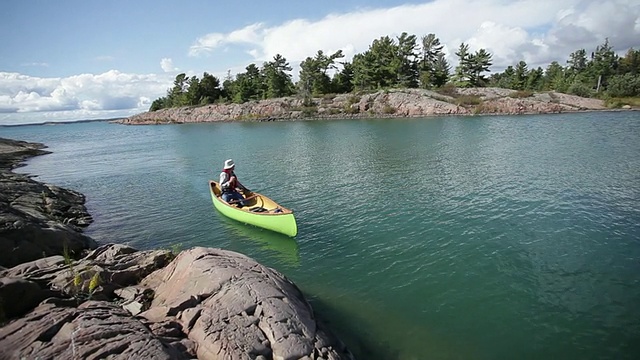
{"x":441,"y":238}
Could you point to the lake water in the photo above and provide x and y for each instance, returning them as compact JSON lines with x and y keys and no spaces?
{"x":441,"y":238}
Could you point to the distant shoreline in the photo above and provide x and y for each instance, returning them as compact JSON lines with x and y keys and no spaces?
{"x":62,"y":122}
{"x":394,"y":103}
{"x":386,"y":104}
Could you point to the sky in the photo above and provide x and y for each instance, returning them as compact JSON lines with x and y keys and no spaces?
{"x":69,"y":60}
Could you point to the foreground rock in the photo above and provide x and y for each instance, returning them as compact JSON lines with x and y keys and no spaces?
{"x":206,"y":303}
{"x":37,"y":220}
{"x":231,"y":307}
{"x":388,"y":103}
{"x":93,"y":330}
{"x":14,"y":152}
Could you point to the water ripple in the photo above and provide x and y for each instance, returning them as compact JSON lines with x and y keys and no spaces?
{"x":459,"y":231}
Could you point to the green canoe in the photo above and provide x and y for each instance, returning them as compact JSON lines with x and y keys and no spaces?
{"x":259,"y":211}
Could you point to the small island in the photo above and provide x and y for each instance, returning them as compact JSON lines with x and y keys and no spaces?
{"x":406,"y":76}
{"x":382,"y":104}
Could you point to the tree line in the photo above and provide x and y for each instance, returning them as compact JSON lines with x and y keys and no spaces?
{"x":409,"y":62}
{"x":601,"y":73}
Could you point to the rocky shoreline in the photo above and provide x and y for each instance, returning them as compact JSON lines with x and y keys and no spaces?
{"x":62,"y":295}
{"x":36,"y":219}
{"x":382,"y":104}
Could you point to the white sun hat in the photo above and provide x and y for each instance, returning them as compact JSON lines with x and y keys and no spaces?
{"x":229,"y":164}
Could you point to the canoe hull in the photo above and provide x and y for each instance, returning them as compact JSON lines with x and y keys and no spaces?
{"x":281,"y":220}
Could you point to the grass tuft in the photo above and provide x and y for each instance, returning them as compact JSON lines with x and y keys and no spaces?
{"x":466,"y":100}
{"x":618,"y":102}
{"x":521,"y":94}
{"x":94,"y":283}
{"x":388,"y":109}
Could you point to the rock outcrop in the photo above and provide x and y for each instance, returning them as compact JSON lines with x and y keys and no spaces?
{"x":388,"y":103}
{"x":37,"y":220}
{"x":118,"y":302}
{"x":228,"y":304}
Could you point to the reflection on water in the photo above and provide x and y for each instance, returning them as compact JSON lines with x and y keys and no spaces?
{"x":355,"y":320}
{"x":278,"y":246}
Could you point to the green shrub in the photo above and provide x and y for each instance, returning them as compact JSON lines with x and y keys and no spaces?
{"x":388,"y":109}
{"x":309,"y":111}
{"x":580,"y":89}
{"x":94,"y":283}
{"x":176,"y":249}
{"x":483,"y":109}
{"x":348,"y":109}
{"x":618,"y":102}
{"x":448,"y":89}
{"x":66,"y":254}
{"x":465,"y":100}
{"x":308,"y":102}
{"x":627,"y":85}
{"x":521,"y":94}
{"x":328,"y":98}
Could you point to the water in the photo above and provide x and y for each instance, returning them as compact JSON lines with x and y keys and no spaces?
{"x":442,"y":238}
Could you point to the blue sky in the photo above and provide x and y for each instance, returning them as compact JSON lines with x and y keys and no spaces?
{"x":71,"y":60}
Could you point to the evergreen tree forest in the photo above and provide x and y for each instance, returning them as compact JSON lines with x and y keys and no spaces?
{"x":411,"y":62}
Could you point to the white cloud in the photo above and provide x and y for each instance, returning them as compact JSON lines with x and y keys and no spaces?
{"x":252,"y":34}
{"x":537,"y":31}
{"x":609,"y":19}
{"x":500,"y":40}
{"x":78,"y":96}
{"x":36,"y":64}
{"x":249,"y":34}
{"x":167,"y":65}
{"x":206,"y":44}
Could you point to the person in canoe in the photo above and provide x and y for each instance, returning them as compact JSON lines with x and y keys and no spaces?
{"x":230,"y":185}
